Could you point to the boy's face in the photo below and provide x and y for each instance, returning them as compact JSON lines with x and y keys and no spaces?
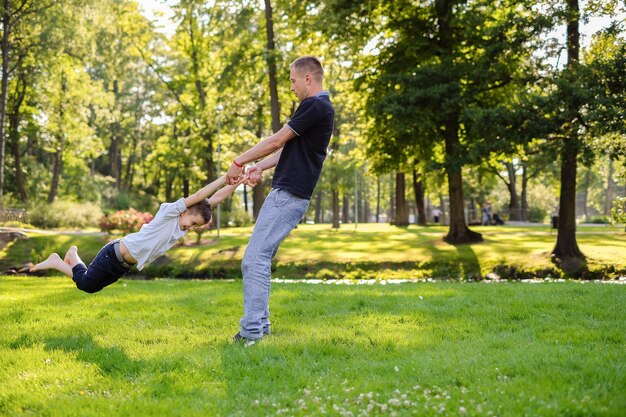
{"x":190,"y":220}
{"x":299,"y":84}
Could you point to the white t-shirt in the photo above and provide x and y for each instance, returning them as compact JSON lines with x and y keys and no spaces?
{"x":154,"y":238}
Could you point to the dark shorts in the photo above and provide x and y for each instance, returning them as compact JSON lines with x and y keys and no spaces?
{"x":104,"y":270}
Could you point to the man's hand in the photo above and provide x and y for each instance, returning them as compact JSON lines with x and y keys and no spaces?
{"x":234,"y":174}
{"x":253,"y":175}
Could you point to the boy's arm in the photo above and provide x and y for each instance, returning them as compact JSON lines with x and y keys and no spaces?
{"x":222,"y":194}
{"x":204,"y":192}
{"x":254,"y":172}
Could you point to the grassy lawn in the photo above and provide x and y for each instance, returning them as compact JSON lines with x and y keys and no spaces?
{"x":370,"y":251}
{"x":156,"y":348}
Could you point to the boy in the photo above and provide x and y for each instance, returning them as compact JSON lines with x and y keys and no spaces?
{"x":115,"y":259}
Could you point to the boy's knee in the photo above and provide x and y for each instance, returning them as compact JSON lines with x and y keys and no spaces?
{"x":88,"y":287}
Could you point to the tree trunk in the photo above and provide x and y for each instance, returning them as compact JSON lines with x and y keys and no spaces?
{"x":345,"y":214}
{"x":586,"y":192}
{"x":318,"y":207}
{"x":609,"y":189}
{"x":14,"y":122}
{"x":6,"y":30}
{"x":566,"y":253}
{"x":392,"y":200}
{"x":402,"y":207}
{"x":335,"y":208}
{"x":271,"y":65}
{"x":524,"y":194}
{"x":514,"y":206}
{"x":459,"y":233}
{"x":58,"y":156}
{"x":418,"y":187}
{"x":377,"y":199}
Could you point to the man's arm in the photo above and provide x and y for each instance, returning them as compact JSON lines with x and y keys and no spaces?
{"x":204,"y":192}
{"x":259,"y":151}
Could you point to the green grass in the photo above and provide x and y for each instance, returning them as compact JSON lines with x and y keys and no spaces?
{"x":372,"y":251}
{"x":156,"y":348}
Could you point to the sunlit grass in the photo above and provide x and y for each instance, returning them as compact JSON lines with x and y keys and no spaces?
{"x":155,"y":348}
{"x":383,"y":250}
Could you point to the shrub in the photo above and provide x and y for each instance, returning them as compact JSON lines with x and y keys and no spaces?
{"x":598,"y":220}
{"x":126,"y":221}
{"x":65,"y":214}
{"x":536,"y":214}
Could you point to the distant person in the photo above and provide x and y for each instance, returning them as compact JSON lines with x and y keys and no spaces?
{"x":436,"y":214}
{"x":115,"y":259}
{"x":485,"y":217}
{"x":299,"y":151}
{"x":497,"y":220}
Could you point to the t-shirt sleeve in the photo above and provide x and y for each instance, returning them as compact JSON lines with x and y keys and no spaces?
{"x":173,"y":209}
{"x":306,"y":116}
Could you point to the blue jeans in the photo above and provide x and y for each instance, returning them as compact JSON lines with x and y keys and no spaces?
{"x":280,"y":214}
{"x":105,"y":269}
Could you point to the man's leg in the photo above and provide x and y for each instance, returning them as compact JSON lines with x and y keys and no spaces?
{"x":279,"y":215}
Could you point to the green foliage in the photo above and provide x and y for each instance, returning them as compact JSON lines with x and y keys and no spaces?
{"x":65,"y":214}
{"x":412,"y":349}
{"x":618,"y":211}
{"x":536,"y":214}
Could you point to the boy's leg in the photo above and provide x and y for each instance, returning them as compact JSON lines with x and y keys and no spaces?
{"x":54,"y":261}
{"x":279,"y":215}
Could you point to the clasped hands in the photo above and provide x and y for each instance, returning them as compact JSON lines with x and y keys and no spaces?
{"x":250,"y":175}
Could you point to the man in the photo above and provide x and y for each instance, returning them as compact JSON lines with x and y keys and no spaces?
{"x":297,"y":151}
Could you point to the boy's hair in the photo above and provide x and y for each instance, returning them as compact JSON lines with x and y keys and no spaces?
{"x":309,"y":64}
{"x":202,"y":208}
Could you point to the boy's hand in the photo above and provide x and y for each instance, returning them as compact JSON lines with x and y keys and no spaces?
{"x":234,"y":174}
{"x":253,"y":175}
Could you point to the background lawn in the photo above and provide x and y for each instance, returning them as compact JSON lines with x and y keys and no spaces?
{"x":372,"y":251}
{"x":155,"y":348}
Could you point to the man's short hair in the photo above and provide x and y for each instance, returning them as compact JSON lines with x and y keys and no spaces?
{"x":309,"y":64}
{"x":202,"y":208}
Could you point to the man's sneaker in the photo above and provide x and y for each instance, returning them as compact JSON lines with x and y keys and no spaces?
{"x":238,"y":338}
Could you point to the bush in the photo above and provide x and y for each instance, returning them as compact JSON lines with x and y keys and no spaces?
{"x":536,"y":214}
{"x":127,"y":221}
{"x":598,"y":220}
{"x":65,"y":214}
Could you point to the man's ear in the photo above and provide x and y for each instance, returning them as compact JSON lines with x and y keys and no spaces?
{"x":308,"y":78}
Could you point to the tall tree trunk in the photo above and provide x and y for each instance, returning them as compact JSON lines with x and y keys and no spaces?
{"x":392,"y":199}
{"x":514,"y":206}
{"x":318,"y":207}
{"x":418,"y":187}
{"x":402,"y":207}
{"x":459,"y":233}
{"x":271,"y":66}
{"x":524,"y":193}
{"x":345,"y":214}
{"x":335,"y":208}
{"x":566,"y":253}
{"x":587,"y":183}
{"x":6,"y":30}
{"x":609,"y":189}
{"x":377,"y":199}
{"x":258,"y":192}
{"x":58,"y":156}
{"x":14,"y":138}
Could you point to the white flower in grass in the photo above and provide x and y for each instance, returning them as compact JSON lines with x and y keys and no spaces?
{"x":462,"y":410}
{"x":394,"y":401}
{"x":395,"y":368}
{"x":383,"y":407}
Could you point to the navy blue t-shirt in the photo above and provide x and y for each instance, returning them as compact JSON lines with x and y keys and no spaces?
{"x":300,"y":163}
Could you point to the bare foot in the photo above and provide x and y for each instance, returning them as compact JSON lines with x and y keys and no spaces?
{"x":70,"y":255}
{"x":52,"y":262}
